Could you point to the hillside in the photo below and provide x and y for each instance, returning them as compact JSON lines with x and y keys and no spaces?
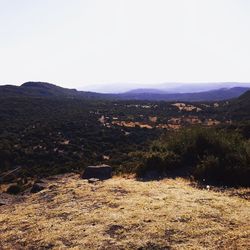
{"x":238,"y":109}
{"x":246,"y":97}
{"x":41,"y":89}
{"x":125,"y":214}
{"x":48,"y":136}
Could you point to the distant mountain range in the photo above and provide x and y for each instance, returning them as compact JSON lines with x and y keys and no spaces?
{"x":167,"y":87}
{"x":211,"y":95}
{"x":42,"y":89}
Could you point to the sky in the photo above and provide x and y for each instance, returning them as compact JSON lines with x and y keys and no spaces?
{"x":114,"y":44}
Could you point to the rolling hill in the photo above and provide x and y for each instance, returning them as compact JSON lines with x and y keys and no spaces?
{"x":239,"y":108}
{"x":42,"y":89}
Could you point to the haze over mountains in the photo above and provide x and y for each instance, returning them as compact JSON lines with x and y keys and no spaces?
{"x":188,"y":92}
{"x":169,"y":87}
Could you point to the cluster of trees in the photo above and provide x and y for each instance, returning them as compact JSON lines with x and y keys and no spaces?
{"x":49,"y":136}
{"x":211,"y":155}
{"x":46,"y":136}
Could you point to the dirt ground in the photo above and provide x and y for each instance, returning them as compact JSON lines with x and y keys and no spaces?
{"x":122,"y":213}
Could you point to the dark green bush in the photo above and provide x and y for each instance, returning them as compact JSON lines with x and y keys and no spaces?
{"x":161,"y":162}
{"x":215,"y":156}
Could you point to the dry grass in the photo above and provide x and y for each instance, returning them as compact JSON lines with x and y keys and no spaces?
{"x":125,"y":214}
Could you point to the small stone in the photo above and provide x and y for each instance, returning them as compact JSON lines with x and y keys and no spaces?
{"x":93,"y":180}
{"x":2,"y":203}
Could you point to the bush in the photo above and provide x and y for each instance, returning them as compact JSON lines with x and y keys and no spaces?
{"x":160,"y":162}
{"x":215,"y":155}
{"x":232,"y":170}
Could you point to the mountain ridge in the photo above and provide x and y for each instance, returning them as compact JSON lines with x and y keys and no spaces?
{"x":44,"y":89}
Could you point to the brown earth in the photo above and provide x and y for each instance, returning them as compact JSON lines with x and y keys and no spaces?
{"x":123,"y":213}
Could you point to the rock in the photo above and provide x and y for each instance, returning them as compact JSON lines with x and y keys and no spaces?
{"x":2,"y":203}
{"x":101,"y":172}
{"x":37,"y":187}
{"x":14,"y":189}
{"x":93,"y":180}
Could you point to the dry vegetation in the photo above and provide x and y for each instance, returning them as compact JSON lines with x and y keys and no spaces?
{"x":123,"y":213}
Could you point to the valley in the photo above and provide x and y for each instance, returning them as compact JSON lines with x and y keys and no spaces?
{"x":180,"y":173}
{"x":54,"y":135}
{"x":124,"y":125}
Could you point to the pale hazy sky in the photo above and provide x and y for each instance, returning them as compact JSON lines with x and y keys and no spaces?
{"x":82,"y":43}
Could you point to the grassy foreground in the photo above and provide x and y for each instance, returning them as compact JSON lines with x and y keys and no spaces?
{"x":123,"y":213}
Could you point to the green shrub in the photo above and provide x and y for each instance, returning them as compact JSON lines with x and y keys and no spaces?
{"x":231,"y":170}
{"x":213,"y":155}
{"x":161,"y":162}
